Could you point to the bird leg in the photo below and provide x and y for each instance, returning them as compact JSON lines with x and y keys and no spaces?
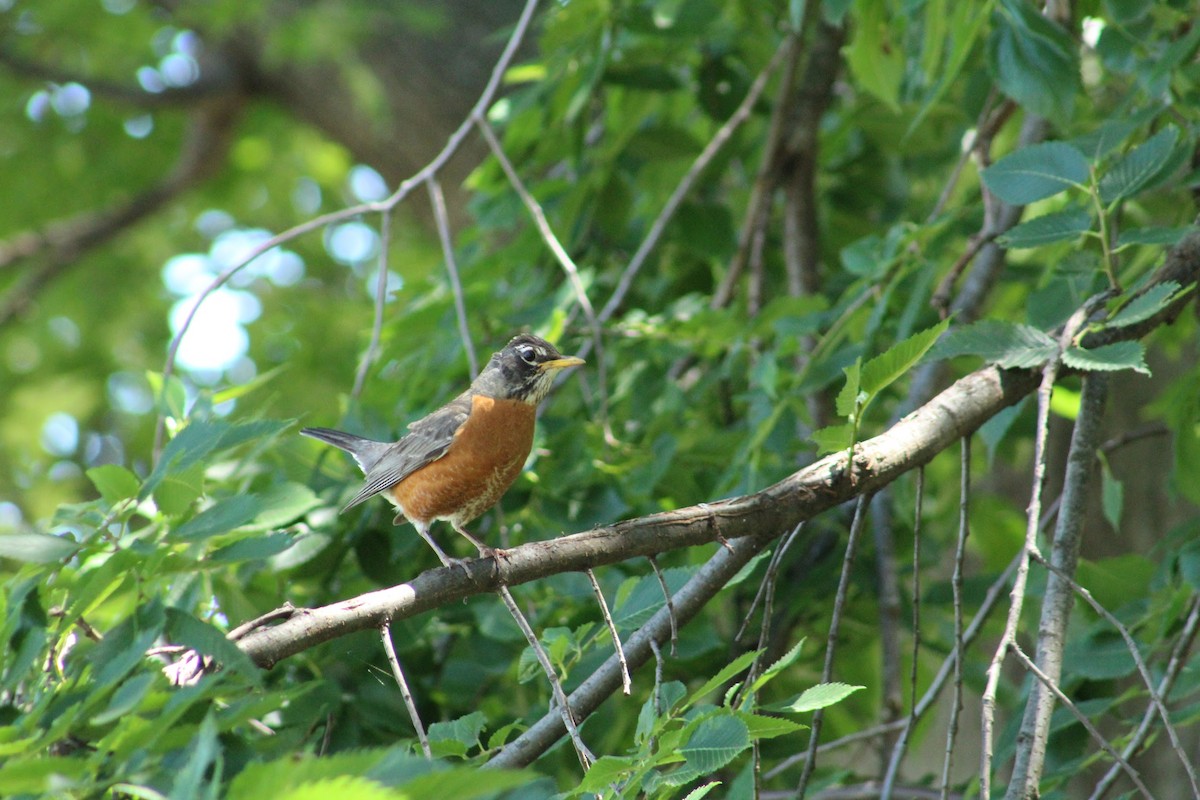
{"x":484,"y":550}
{"x":446,"y":560}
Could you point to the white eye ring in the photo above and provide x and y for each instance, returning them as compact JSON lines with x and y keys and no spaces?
{"x":526,"y":353}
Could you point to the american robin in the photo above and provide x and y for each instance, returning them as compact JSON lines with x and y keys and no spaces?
{"x":457,"y":462}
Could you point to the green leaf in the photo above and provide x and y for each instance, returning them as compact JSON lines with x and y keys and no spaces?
{"x":1057,"y":227}
{"x":1156,"y":235}
{"x":201,"y":751}
{"x":457,"y":737}
{"x":254,"y":548}
{"x":605,"y":771}
{"x":284,"y":503}
{"x":1005,"y":344}
{"x":176,"y":493}
{"x":1036,"y":172}
{"x":1108,"y":358}
{"x":822,"y":695}
{"x":1112,"y":496}
{"x":715,"y":742}
{"x":1138,"y":168}
{"x":1034,"y":60}
{"x":884,"y":369}
{"x":873,"y":55}
{"x":37,"y":548}
{"x":114,"y":482}
{"x":1145,"y":305}
{"x":784,"y":661}
{"x":199,"y":439}
{"x":833,"y":438}
{"x":724,"y":675}
{"x":48,"y":776}
{"x":184,"y":629}
{"x":762,"y":727}
{"x":701,"y":791}
{"x":848,"y":400}
{"x":225,"y":515}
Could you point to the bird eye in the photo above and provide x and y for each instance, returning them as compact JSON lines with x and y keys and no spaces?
{"x":526,"y":353}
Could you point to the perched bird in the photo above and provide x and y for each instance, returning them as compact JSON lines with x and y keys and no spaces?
{"x":457,"y":462}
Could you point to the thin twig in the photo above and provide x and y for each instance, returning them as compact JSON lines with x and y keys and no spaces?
{"x":1066,"y":702}
{"x":662,"y":581}
{"x":385,"y":633}
{"x":402,"y":191}
{"x":1156,"y":699}
{"x":1174,"y":666}
{"x":548,"y":236}
{"x":767,"y":589}
{"x":438,"y":201}
{"x":988,"y":714}
{"x":956,"y":583}
{"x":372,"y":352}
{"x":626,"y":684}
{"x":1057,"y":599}
{"x":765,"y":586}
{"x":560,"y":697}
{"x":901,"y":742}
{"x":839,"y":604}
{"x":723,"y":135}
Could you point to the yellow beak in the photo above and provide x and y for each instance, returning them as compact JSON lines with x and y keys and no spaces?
{"x":561,"y":363}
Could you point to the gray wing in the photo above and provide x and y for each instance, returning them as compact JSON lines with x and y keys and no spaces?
{"x":428,"y":440}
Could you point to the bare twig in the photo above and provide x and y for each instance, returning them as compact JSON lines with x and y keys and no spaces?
{"x":719,"y":139}
{"x":372,"y":352}
{"x":1156,"y":698}
{"x":662,"y":581}
{"x":956,"y":583}
{"x":988,"y":716}
{"x":1049,"y":683}
{"x":767,"y":590}
{"x":1033,"y":738}
{"x":612,"y":629}
{"x":1174,"y":666}
{"x":560,"y":698}
{"x":385,"y":633}
{"x":402,"y":191}
{"x":839,"y":605}
{"x":438,"y":201}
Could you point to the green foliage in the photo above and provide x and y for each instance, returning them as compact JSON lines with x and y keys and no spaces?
{"x":110,"y":550}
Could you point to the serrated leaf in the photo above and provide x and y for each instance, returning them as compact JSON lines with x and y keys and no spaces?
{"x":223,"y":516}
{"x":1057,"y":227}
{"x":605,"y":771}
{"x":1108,"y":358}
{"x":1036,"y":172}
{"x":782,"y":663}
{"x":822,"y":695}
{"x":884,"y":369}
{"x":833,"y":438}
{"x":1105,"y":138}
{"x":1005,"y":344}
{"x":846,"y":404}
{"x":1137,"y":168}
{"x":254,"y":548}
{"x":457,"y":736}
{"x":114,"y":482}
{"x":724,"y":675}
{"x":1153,"y":235}
{"x":36,"y":548}
{"x":184,"y":629}
{"x":761,"y":727}
{"x":1034,"y":60}
{"x":701,"y":791}
{"x":1145,"y":305}
{"x":715,"y":742}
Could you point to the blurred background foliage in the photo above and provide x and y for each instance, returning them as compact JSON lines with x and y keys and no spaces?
{"x":146,"y":146}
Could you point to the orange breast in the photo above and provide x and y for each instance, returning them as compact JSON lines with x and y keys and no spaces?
{"x":484,"y":460}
